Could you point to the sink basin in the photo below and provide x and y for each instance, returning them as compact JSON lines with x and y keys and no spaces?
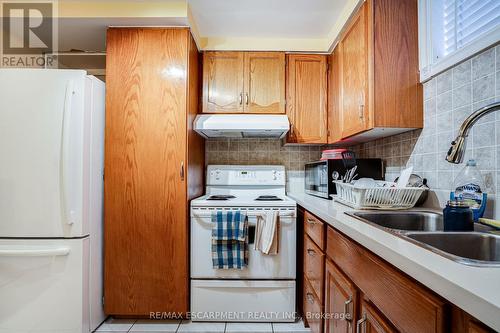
{"x":407,"y":221}
{"x":425,"y":229}
{"x":475,"y":246}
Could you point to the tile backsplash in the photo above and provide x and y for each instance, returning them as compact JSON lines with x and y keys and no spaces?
{"x":449,"y":98}
{"x":261,"y":151}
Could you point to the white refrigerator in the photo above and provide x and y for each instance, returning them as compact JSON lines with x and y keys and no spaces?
{"x":51,"y":201}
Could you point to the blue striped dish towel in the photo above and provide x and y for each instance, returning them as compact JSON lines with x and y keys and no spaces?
{"x":229,"y":240}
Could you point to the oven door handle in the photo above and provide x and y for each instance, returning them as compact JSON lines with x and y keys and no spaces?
{"x":205,"y":215}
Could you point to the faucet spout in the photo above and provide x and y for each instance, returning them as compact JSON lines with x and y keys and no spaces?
{"x":457,"y":150}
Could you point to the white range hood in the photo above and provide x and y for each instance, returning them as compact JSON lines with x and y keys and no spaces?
{"x":241,"y":125}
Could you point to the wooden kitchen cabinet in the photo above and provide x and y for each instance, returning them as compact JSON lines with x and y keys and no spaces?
{"x":462,"y":322}
{"x":354,"y":78}
{"x":313,"y":309}
{"x":334,"y":97}
{"x":313,"y":257}
{"x":314,"y":264}
{"x":409,"y":306}
{"x":223,"y":82}
{"x":376,"y":295}
{"x":264,"y":82}
{"x":475,"y":327}
{"x":153,"y":166}
{"x":251,"y":82}
{"x":315,"y":229}
{"x":371,"y":321}
{"x":379,"y":91}
{"x":341,"y":298}
{"x":306,"y":86}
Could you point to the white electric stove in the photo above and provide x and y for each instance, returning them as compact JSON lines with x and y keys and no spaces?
{"x":265,"y":290}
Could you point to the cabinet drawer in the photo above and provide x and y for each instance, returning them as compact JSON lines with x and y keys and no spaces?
{"x":315,"y":228}
{"x":314,"y":265}
{"x":312,"y":308}
{"x":409,"y":306}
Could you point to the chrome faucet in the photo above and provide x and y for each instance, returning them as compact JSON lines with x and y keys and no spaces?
{"x":457,"y":150}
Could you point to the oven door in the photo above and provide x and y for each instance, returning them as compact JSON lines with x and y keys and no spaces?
{"x":260,"y":266}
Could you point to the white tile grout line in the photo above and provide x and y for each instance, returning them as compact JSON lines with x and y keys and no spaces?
{"x":135,"y":321}
{"x":179,"y":326}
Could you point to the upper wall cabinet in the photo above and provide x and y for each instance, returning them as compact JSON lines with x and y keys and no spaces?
{"x":307,"y":98}
{"x":375,"y":90}
{"x":223,"y":82}
{"x":334,"y":98}
{"x":264,"y":82}
{"x":235,"y":82}
{"x":354,"y":75}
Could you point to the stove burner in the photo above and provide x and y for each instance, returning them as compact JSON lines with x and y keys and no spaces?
{"x":268,"y":198}
{"x":221,"y":197}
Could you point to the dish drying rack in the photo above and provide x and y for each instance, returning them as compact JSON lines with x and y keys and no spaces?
{"x":383,"y":196}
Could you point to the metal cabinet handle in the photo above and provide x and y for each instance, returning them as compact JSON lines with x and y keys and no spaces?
{"x":311,"y":252}
{"x":241,"y":98}
{"x":360,"y":325}
{"x":347,"y":313}
{"x":310,"y":298}
{"x":182,"y":170}
{"x":362,"y":106}
{"x":246,"y":98}
{"x":311,"y":221}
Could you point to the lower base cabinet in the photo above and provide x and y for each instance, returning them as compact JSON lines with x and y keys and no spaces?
{"x":341,"y":301}
{"x":371,"y":321}
{"x":362,"y":293}
{"x":313,"y":308}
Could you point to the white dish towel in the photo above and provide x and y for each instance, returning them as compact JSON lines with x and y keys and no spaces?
{"x":267,"y":232}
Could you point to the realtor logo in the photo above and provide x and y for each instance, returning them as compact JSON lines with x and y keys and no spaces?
{"x":27,"y":33}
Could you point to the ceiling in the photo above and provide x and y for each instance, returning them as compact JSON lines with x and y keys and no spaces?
{"x":266,"y":18}
{"x":274,"y":25}
{"x":89,"y":34}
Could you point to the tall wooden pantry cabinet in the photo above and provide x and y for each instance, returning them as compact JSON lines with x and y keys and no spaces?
{"x":153,"y":166}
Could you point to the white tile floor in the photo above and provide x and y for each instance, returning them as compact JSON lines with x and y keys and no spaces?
{"x":173,"y":326}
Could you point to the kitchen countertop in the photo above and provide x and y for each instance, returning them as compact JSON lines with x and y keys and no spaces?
{"x":473,"y":289}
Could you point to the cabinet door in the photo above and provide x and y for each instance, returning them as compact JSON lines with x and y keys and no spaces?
{"x":146,"y":229}
{"x":462,"y":322}
{"x":264,"y":82}
{"x":341,"y":298}
{"x":223,"y":82}
{"x":334,"y":98}
{"x":312,"y":308}
{"x":354,"y":74}
{"x":371,"y":321}
{"x":408,"y":305}
{"x":474,"y":327}
{"x":306,"y":98}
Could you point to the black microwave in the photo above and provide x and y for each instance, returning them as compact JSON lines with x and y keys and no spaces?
{"x":319,"y":179}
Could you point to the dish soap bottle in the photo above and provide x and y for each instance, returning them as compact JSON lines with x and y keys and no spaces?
{"x":469,"y":186}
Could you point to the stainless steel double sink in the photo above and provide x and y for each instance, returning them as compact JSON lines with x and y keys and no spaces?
{"x":478,"y":248}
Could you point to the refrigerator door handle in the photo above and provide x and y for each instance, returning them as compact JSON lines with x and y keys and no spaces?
{"x":68,"y":214}
{"x":33,"y":252}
